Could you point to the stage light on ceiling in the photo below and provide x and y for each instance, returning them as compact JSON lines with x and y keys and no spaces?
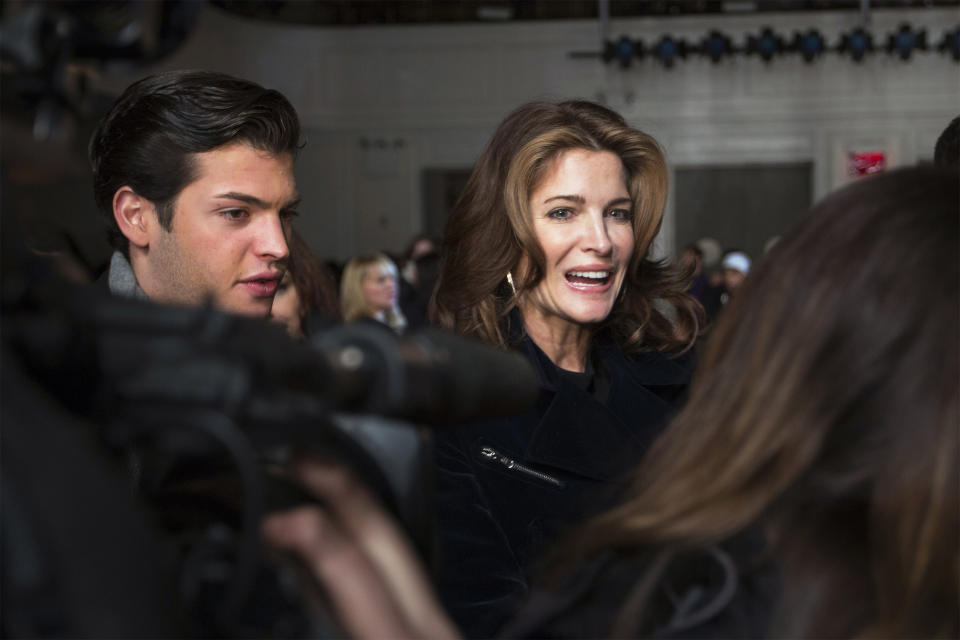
{"x":716,"y":46}
{"x":623,"y":51}
{"x":766,"y":45}
{"x":858,"y":43}
{"x":951,"y":43}
{"x":810,"y":45}
{"x":668,"y":49}
{"x":905,"y":41}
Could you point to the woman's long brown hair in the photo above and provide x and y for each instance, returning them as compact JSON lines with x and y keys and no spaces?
{"x":825,"y":411}
{"x":490,"y":229}
{"x":313,"y":281}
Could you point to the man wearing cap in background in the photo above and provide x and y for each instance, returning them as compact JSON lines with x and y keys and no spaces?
{"x":734,"y":267}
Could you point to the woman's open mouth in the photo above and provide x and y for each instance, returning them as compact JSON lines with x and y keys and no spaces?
{"x":588,"y":278}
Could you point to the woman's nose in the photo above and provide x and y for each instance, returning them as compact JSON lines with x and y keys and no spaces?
{"x":597,"y":237}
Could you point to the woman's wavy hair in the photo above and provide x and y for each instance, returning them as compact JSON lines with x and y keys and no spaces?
{"x":490,"y":229}
{"x":315,"y":285}
{"x":352,"y":302}
{"x":825,"y":412}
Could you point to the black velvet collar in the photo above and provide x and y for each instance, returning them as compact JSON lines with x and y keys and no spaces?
{"x":601,"y":440}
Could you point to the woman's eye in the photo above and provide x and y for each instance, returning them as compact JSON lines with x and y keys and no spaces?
{"x":560,"y":214}
{"x":621,"y":214}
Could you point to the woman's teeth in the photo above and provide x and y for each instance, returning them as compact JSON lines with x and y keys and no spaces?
{"x":588,"y":277}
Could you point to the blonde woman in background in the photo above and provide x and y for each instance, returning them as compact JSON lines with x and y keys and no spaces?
{"x":368,"y":289}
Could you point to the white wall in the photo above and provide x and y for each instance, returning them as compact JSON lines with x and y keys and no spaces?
{"x":379,"y":104}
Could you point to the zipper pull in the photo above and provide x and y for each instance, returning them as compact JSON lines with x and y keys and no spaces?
{"x":493,"y":455}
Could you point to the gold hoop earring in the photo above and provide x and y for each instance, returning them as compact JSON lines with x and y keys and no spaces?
{"x":510,"y":282}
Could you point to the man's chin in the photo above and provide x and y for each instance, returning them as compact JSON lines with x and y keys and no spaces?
{"x":255,"y":308}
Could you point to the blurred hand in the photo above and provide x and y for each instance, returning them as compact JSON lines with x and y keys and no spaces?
{"x":360,"y":557}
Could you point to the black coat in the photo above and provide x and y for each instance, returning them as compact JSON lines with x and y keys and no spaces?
{"x":507,"y":488}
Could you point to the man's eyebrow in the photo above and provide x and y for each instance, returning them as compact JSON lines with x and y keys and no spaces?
{"x":255,"y":201}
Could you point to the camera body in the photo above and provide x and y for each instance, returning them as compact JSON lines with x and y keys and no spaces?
{"x":198,"y":411}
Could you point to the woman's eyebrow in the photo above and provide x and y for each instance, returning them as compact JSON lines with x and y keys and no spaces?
{"x":616,"y":201}
{"x":574,"y":198}
{"x":581,"y":200}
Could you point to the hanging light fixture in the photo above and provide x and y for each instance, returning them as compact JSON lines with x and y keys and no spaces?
{"x":716,"y":46}
{"x":810,"y":45}
{"x":623,"y":51}
{"x":951,"y":43}
{"x":905,"y":41}
{"x":668,"y":49}
{"x":766,"y":45}
{"x":858,"y":43}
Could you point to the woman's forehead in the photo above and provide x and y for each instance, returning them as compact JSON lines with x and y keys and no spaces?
{"x":379,"y":268}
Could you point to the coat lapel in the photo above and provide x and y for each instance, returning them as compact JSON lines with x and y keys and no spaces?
{"x":581,"y":435}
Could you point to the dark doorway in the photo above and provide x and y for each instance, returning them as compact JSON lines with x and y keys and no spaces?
{"x":441,"y":188}
{"x":741,"y":206}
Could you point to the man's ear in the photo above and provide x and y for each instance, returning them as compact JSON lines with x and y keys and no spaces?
{"x":134,"y":215}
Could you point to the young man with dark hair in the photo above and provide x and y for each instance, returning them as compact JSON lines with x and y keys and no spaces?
{"x":194,"y":173}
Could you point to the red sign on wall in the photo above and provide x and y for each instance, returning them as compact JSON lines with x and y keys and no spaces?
{"x":864,"y":163}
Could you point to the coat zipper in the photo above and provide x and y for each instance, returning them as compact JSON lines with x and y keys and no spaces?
{"x":513,"y":465}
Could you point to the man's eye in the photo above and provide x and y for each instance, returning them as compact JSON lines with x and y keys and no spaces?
{"x":621,"y":214}
{"x":234,"y":214}
{"x":560,"y":214}
{"x":289,"y":214}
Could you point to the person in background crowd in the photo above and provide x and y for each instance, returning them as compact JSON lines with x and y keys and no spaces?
{"x":807,"y":490}
{"x":547,"y":253}
{"x":421,"y":245}
{"x":368,"y":290}
{"x":712,"y":253}
{"x":733,"y":270}
{"x":193,"y":171}
{"x":735,"y":266}
{"x":307,"y":295}
{"x":418,"y":278}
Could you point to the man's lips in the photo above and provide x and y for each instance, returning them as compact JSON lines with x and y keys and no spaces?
{"x":263,"y":284}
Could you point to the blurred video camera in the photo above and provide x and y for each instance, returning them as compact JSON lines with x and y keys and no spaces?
{"x":142,"y":446}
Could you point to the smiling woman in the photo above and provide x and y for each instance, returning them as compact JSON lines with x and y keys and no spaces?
{"x":546,"y":252}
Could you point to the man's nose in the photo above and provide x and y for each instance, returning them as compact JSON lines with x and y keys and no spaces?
{"x":271,"y":238}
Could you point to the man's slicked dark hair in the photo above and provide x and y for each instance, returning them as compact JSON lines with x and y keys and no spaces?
{"x":147,"y":139}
